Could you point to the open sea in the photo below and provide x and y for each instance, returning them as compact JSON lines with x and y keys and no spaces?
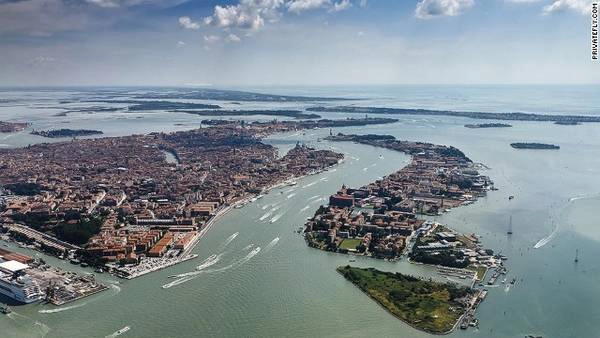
{"x":286,"y":289}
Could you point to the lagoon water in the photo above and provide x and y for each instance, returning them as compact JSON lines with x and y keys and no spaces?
{"x":285,"y":289}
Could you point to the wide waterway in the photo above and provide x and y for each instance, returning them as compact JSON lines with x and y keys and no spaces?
{"x":289,"y":290}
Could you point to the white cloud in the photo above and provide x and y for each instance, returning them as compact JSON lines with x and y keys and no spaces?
{"x":340,"y":6}
{"x":427,"y":9}
{"x":233,"y":38}
{"x":41,"y":61}
{"x":104,"y":3}
{"x":248,"y":14}
{"x":581,"y":6}
{"x":297,"y":6}
{"x":210,"y":39}
{"x":187,"y":23}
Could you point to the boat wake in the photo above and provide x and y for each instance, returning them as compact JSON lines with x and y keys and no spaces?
{"x":118,"y":332}
{"x":186,"y":277}
{"x":248,"y":247}
{"x":323,"y":179}
{"x":289,"y":191}
{"x":228,"y":241}
{"x":265,"y":206}
{"x":63,"y":308}
{"x":238,"y":263}
{"x":305,"y":208}
{"x":365,"y":168}
{"x":275,"y":208}
{"x":314,"y":197}
{"x":265,"y":216}
{"x":546,"y":239}
{"x":309,"y":185}
{"x":271,"y":244}
{"x":276,"y":218}
{"x":291,"y":195}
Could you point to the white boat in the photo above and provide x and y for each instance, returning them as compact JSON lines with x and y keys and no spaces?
{"x":15,"y":284}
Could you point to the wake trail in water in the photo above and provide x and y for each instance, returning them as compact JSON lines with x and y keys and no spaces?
{"x":228,"y":241}
{"x":289,"y":191}
{"x":247,"y":247}
{"x":238,"y":263}
{"x":271,"y":244}
{"x":265,"y":216}
{"x":63,"y":308}
{"x":546,"y":239}
{"x":118,"y":332}
{"x":277,"y":217}
{"x":305,"y":208}
{"x":275,"y":209}
{"x":365,"y":168}
{"x":309,"y":185}
{"x":265,"y":206}
{"x":314,"y":197}
{"x":290,"y":196}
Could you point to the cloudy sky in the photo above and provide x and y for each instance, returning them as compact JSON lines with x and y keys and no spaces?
{"x":294,"y":42}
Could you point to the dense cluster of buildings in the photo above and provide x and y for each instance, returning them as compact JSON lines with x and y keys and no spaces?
{"x":380,"y":218}
{"x":146,"y":205}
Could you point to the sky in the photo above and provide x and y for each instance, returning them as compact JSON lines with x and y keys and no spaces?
{"x":295,"y":42}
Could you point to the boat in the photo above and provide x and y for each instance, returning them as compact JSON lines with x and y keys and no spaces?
{"x":74,"y":261}
{"x":5,"y":309}
{"x":576,"y":255}
{"x":17,"y":285}
{"x":352,"y":260}
{"x":511,"y":197}
{"x":510,"y":231}
{"x":512,"y":282}
{"x":84,"y":265}
{"x":99,"y":270}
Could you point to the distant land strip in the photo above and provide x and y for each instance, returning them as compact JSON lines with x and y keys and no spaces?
{"x":297,"y":114}
{"x":516,"y":116}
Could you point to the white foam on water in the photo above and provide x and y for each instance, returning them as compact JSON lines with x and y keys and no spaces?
{"x":277,"y":217}
{"x":265,"y":206}
{"x":180,"y":281}
{"x":228,"y":241}
{"x":265,"y":216}
{"x":309,"y":185}
{"x":305,"y":208}
{"x":240,"y":262}
{"x":118,"y":332}
{"x":365,"y":168}
{"x":324,"y":179}
{"x":61,"y":309}
{"x":247,"y":247}
{"x":271,"y":244}
{"x":290,"y":196}
{"x":546,"y":239}
{"x":314,"y":197}
{"x":275,"y":208}
{"x":289,"y":190}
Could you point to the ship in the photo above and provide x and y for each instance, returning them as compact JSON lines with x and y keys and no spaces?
{"x":510,"y":231}
{"x":17,"y":285}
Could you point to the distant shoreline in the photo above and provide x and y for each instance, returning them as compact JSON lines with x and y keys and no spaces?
{"x":516,"y":116}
